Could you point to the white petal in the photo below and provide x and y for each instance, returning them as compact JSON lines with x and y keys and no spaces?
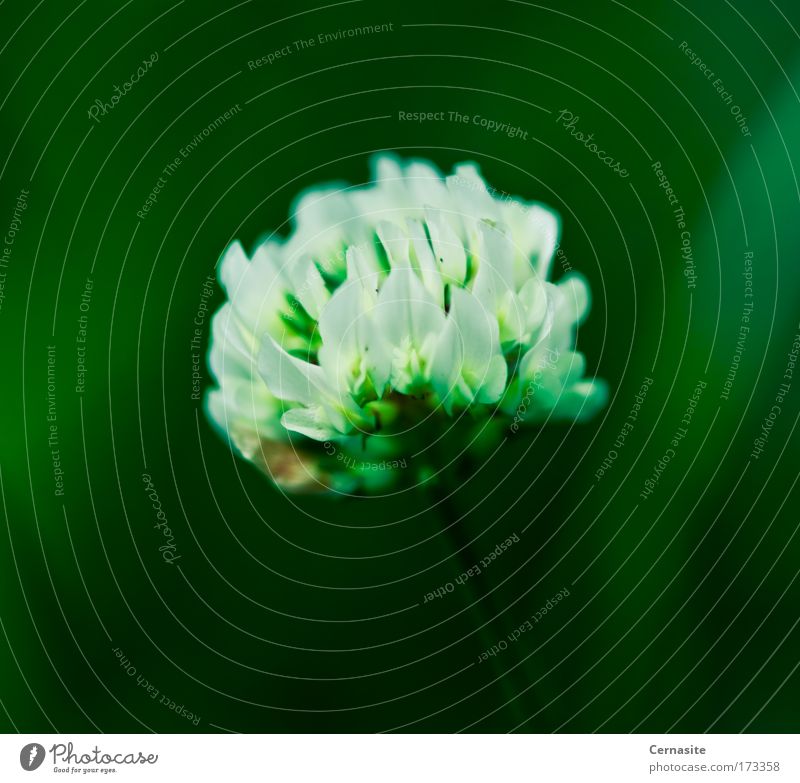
{"x":447,"y":248}
{"x":339,"y":321}
{"x":493,"y":383}
{"x":232,"y":267}
{"x":425,"y":261}
{"x":544,"y":227}
{"x":244,"y":409}
{"x":494,"y":282}
{"x":289,"y":378}
{"x":256,"y":289}
{"x":308,"y":285}
{"x":338,"y":328}
{"x":498,"y":248}
{"x":363,"y":266}
{"x":469,"y":349}
{"x":426,"y":186}
{"x":350,"y":352}
{"x":533,"y":296}
{"x":386,"y":169}
{"x":534,"y":229}
{"x":229,"y":353}
{"x":448,"y":359}
{"x":322,"y":218}
{"x":310,"y":422}
{"x":479,"y":333}
{"x":406,"y":309}
{"x":471,"y":196}
{"x":576,"y":297}
{"x":395,"y":242}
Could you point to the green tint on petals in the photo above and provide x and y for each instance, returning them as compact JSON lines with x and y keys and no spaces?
{"x":390,"y":310}
{"x":468,"y":365}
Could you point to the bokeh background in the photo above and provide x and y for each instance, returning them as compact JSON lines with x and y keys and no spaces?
{"x":287,"y":614}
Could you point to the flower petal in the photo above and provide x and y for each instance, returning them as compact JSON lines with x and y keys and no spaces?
{"x":469,"y":351}
{"x":310,"y":422}
{"x":395,"y":242}
{"x":447,"y":247}
{"x":422,"y":254}
{"x":308,"y":285}
{"x":256,"y":289}
{"x":289,"y":378}
{"x":406,"y":309}
{"x":494,"y":281}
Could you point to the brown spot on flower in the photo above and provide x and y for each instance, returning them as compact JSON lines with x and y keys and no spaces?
{"x":292,"y":468}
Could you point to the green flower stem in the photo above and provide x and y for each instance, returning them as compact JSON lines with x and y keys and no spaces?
{"x":442,"y":500}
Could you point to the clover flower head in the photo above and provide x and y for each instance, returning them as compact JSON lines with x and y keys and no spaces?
{"x":394,"y":312}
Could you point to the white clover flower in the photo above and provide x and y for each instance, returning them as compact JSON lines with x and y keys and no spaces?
{"x":394,"y":311}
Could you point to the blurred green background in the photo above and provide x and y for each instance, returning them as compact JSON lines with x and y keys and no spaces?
{"x":287,"y":614}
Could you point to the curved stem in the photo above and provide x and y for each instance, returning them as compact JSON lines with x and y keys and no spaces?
{"x":451,"y":520}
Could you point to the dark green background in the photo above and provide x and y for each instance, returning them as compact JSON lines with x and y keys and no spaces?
{"x":308,"y":615}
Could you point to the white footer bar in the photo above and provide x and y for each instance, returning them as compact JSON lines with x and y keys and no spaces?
{"x":401,"y":758}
